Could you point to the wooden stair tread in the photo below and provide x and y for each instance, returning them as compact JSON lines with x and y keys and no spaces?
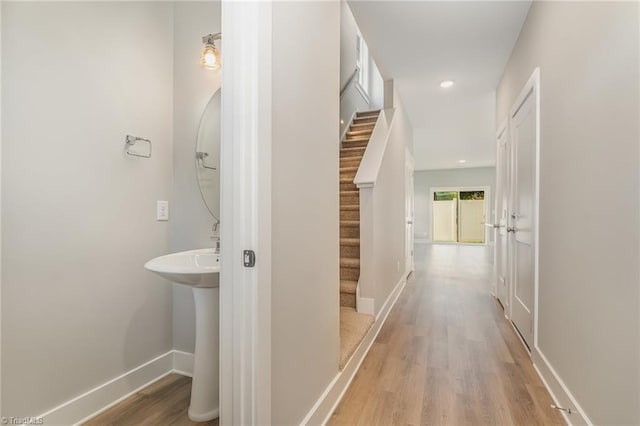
{"x":353,"y":149}
{"x":348,"y":169}
{"x":350,"y":207}
{"x":347,"y":286}
{"x":346,"y":180}
{"x":348,"y":262}
{"x":349,"y":223}
{"x":350,"y":242}
{"x":364,"y":132}
{"x":362,"y":125}
{"x":357,"y":138}
{"x":350,"y":192}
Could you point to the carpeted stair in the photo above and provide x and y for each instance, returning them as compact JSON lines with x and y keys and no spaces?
{"x":353,"y":147}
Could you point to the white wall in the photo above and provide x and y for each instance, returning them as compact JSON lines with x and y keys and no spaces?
{"x":588,"y":56}
{"x":389,"y":207}
{"x":78,"y":214}
{"x":305,"y":223}
{"x":424,"y":180}
{"x":194,"y":85}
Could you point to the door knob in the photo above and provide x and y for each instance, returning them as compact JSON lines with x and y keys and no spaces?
{"x":510,"y":229}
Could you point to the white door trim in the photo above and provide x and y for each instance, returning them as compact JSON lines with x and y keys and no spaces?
{"x":504,"y":127}
{"x":531,"y":87}
{"x":410,"y":214}
{"x":245,"y":293}
{"x":487,"y":205}
{"x":0,"y":209}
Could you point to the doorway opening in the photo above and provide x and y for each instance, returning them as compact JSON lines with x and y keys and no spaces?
{"x":459,"y":214}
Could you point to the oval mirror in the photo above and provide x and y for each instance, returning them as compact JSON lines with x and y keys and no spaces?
{"x":208,"y":155}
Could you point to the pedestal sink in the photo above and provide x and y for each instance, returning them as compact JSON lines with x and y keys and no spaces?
{"x":199,"y":269}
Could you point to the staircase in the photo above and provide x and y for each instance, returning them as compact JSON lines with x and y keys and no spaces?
{"x":353,"y":147}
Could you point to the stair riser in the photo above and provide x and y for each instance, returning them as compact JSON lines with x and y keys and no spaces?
{"x":349,"y":232}
{"x":352,"y":154}
{"x":348,"y":186}
{"x":349,"y":215}
{"x":351,"y":274}
{"x":350,"y":162}
{"x":348,"y":300}
{"x":365,"y":120}
{"x":367,"y":114}
{"x":350,"y":251}
{"x":349,"y":199}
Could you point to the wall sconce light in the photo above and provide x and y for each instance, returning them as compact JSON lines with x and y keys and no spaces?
{"x":210,"y":57}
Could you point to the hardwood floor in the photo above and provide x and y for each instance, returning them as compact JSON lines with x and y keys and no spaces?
{"x":163,"y":403}
{"x":447,"y":355}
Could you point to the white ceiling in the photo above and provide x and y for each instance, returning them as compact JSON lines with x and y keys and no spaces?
{"x":418,"y":44}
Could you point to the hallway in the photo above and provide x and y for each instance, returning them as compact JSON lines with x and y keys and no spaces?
{"x":446,"y":354}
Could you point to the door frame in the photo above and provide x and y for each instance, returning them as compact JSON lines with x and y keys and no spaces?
{"x":245,"y":292}
{"x":409,"y":209}
{"x":531,"y":86}
{"x":487,"y":208}
{"x":502,"y":128}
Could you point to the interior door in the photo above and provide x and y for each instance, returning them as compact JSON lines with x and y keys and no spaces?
{"x":409,"y":191}
{"x":522,"y":251}
{"x":502,"y":213}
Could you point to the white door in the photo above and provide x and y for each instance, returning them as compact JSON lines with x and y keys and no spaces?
{"x":409,"y":191}
{"x":524,"y":134}
{"x":502,"y":213}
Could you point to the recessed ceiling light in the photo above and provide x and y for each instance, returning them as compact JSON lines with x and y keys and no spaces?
{"x":462,"y":161}
{"x":446,"y":84}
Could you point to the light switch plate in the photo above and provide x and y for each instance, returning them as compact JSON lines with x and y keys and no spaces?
{"x":162,"y":210}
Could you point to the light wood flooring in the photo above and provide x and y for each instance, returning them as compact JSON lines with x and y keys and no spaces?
{"x":447,"y":355}
{"x":165,"y":402}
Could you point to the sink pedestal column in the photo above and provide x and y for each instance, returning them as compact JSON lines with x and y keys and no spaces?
{"x":204,"y":388}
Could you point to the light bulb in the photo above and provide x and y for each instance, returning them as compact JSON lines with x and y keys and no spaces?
{"x":210,"y":57}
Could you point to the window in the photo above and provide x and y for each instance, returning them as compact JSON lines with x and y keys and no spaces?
{"x":362,"y":59}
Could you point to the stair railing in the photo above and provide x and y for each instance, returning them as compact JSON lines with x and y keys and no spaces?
{"x":349,"y":81}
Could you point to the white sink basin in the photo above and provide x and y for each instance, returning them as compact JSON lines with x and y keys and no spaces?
{"x":195,"y":268}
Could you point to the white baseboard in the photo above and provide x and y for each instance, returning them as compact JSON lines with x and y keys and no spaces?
{"x":332,"y":395}
{"x":560,"y":393}
{"x":99,"y":399}
{"x":183,"y":363}
{"x":365,"y":305}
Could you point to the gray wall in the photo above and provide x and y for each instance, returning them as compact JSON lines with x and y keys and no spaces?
{"x":352,"y":99}
{"x":424,"y":180}
{"x":78,"y":214}
{"x":194,"y":85}
{"x":589,"y":196}
{"x":305,"y":226}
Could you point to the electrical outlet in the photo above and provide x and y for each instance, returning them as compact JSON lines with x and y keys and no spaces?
{"x":162,"y":210}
